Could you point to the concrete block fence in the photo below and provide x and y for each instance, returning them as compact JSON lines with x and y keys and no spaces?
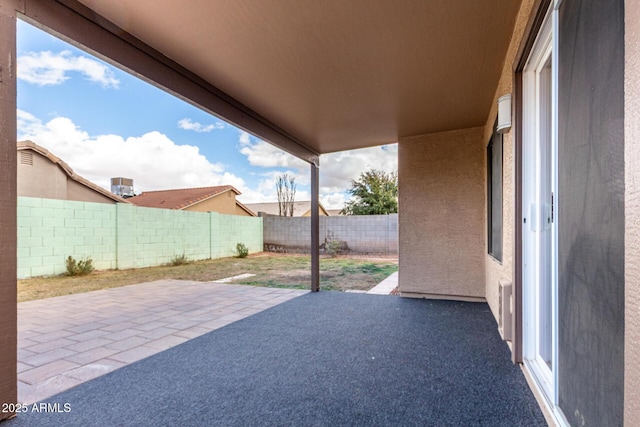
{"x":123,"y":236}
{"x":366,"y":234}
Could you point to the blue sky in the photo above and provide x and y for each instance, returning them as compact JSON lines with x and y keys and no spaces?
{"x":105,"y":123}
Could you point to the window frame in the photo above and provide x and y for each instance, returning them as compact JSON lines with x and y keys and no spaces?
{"x":495,"y":181}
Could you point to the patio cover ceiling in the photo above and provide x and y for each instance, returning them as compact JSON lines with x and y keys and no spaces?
{"x":335,"y":74}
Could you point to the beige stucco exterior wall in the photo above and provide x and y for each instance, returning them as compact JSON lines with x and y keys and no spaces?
{"x":81,"y":193}
{"x":632,"y":214}
{"x":224,"y":203}
{"x":240,"y":211}
{"x":442,"y":219}
{"x":497,"y":272}
{"x":41,"y":179}
{"x":46,"y":180}
{"x":321,"y":212}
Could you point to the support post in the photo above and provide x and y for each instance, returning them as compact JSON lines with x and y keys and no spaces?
{"x":8,"y":201}
{"x":315,"y":228}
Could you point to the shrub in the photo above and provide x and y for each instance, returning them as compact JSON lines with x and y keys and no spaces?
{"x":179,"y":260}
{"x":79,"y":268}
{"x":333,"y":247}
{"x":241,"y":250}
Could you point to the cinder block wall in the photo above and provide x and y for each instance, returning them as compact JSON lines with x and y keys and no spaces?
{"x":123,"y":236}
{"x":234,"y":229}
{"x":362,"y":233}
{"x":149,"y":236}
{"x":50,"y":230}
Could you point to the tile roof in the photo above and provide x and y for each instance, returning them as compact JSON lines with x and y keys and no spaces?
{"x":179,"y":198}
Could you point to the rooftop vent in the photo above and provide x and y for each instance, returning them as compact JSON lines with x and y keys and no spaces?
{"x":26,"y":158}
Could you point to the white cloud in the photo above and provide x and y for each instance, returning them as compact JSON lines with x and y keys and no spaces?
{"x":48,"y":68}
{"x":336,"y":169}
{"x":152,"y":160}
{"x":333,"y":200}
{"x":263,"y":154}
{"x":155,"y":162}
{"x":244,"y":138}
{"x":188,"y":124}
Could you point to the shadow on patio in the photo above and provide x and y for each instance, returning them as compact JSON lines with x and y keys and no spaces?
{"x":320,"y":359}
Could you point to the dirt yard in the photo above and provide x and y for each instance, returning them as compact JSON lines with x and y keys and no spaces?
{"x":272,"y":270}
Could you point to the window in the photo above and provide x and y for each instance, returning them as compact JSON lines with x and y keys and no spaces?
{"x":494,"y":195}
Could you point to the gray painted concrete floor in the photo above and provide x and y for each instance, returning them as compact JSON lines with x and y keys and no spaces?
{"x":67,"y":340}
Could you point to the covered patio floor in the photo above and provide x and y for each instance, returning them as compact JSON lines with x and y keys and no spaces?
{"x":70,"y":339}
{"x":325,"y":358}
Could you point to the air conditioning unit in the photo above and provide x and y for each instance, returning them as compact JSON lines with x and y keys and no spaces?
{"x":505,"y":325}
{"x":122,"y":187}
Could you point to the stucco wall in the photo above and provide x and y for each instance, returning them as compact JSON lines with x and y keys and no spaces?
{"x":224,"y":203}
{"x":632,"y":213}
{"x":497,"y":272}
{"x":41,"y":179}
{"x":82,"y":193}
{"x":239,"y":211}
{"x":442,"y":214}
{"x":46,"y":180}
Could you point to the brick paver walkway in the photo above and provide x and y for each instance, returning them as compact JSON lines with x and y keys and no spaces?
{"x":64,"y":341}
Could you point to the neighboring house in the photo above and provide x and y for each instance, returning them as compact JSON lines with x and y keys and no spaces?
{"x":537,"y":216}
{"x":42,"y":174}
{"x":221,"y":199}
{"x":302,"y":208}
{"x":334,"y":212}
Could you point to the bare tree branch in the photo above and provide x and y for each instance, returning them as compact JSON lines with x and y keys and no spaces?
{"x":286,"y":192}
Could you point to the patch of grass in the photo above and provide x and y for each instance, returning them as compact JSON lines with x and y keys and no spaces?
{"x":271,"y":270}
{"x":78,"y":268}
{"x":179,"y":260}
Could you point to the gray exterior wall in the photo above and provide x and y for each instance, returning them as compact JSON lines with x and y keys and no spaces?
{"x":368,"y":234}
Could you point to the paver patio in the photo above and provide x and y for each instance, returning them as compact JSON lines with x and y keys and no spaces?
{"x":67,"y":340}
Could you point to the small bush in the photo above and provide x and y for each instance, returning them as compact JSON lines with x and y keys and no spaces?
{"x":79,"y":268}
{"x":333,"y":247}
{"x":179,"y":260}
{"x":241,"y":250}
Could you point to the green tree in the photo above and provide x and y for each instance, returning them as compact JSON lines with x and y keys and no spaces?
{"x":374,"y":193}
